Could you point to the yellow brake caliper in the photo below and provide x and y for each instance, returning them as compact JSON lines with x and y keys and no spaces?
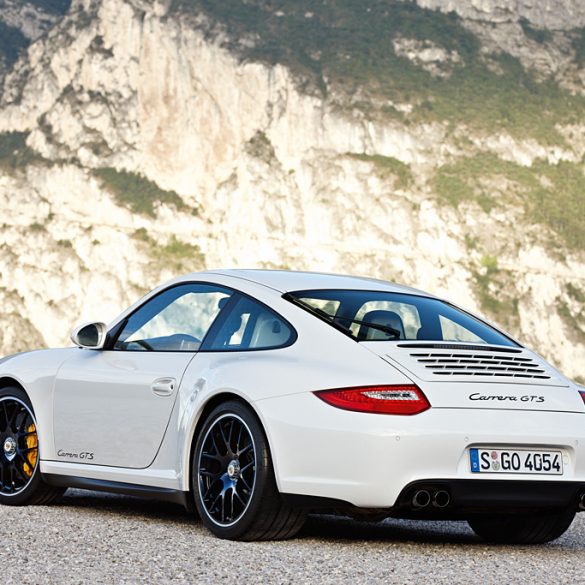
{"x":32,"y":443}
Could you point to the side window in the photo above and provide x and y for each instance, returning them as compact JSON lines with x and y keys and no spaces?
{"x":250,"y":325}
{"x":456,"y":332}
{"x":175,"y":320}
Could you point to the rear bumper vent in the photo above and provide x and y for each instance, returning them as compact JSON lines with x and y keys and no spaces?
{"x":484,"y":364}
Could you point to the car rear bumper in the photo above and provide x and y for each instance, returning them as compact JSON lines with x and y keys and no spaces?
{"x":463,"y":498}
{"x":370,"y":461}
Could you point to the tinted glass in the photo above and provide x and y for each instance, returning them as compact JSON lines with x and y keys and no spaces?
{"x":250,"y":325}
{"x":175,"y":320}
{"x":382,"y":316}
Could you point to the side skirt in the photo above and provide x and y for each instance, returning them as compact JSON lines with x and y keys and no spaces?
{"x":116,"y":487}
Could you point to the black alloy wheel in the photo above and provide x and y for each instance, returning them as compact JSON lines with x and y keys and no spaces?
{"x":19,"y":455}
{"x":233,"y":479}
{"x":227,"y":469}
{"x":20,"y":478}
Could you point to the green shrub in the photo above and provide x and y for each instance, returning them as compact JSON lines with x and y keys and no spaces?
{"x":493,"y":288}
{"x":551,"y":194}
{"x":136,"y":192}
{"x":12,"y":42}
{"x":260,"y":147}
{"x":576,"y":293}
{"x":539,"y":35}
{"x":388,"y":165}
{"x":175,"y":255}
{"x":37,"y":227}
{"x":575,"y":323}
{"x":52,"y":6}
{"x":14,"y":152}
{"x":579,"y":45}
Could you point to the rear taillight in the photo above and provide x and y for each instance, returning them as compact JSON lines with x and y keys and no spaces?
{"x":403,"y":399}
{"x":582,"y":392}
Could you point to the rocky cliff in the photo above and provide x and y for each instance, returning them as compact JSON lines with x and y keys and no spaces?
{"x":441,"y":149}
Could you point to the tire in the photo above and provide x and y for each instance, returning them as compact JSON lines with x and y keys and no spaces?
{"x":21,"y":482}
{"x":233,"y":479}
{"x":522,"y":529}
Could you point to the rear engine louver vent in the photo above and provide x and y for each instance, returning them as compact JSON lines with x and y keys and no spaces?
{"x":465,"y":364}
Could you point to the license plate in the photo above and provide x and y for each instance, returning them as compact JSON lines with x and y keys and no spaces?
{"x":516,"y":461}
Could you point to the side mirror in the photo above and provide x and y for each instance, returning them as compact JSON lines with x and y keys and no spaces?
{"x":90,"y":335}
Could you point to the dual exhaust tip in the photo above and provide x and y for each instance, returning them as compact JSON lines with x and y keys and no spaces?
{"x":437,"y":499}
{"x":442,"y":498}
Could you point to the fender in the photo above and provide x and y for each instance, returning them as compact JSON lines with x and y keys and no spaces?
{"x":195,"y":406}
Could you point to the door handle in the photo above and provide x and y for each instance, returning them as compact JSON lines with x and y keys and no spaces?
{"x":163,"y":386}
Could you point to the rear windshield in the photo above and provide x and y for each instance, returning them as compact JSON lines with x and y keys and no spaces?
{"x":384,"y":316}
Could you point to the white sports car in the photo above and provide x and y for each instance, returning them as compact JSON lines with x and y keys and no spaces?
{"x":258,"y":396}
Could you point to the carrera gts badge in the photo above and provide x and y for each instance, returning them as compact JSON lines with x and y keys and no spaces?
{"x":68,"y":455}
{"x":506,"y":397}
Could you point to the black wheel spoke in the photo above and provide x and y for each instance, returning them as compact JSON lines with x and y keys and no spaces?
{"x":23,"y":424}
{"x":246,"y":467}
{"x":225,"y":454}
{"x":239,"y":441}
{"x":244,"y":450}
{"x":231,"y":432}
{"x":209,"y":488}
{"x":214,"y":443}
{"x":19,"y":472}
{"x":215,"y":500}
{"x":5,"y":426}
{"x":13,"y":417}
{"x":224,"y":439}
{"x":246,"y":484}
{"x":239,"y":498}
{"x":18,"y":461}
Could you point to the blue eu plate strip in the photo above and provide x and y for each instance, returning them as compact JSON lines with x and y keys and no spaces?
{"x":474,"y":458}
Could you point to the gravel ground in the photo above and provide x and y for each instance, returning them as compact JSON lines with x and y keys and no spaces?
{"x":101,"y":539}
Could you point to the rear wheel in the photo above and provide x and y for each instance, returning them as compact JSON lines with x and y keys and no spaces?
{"x":522,"y":529}
{"x":234,"y":485}
{"x":20,"y":478}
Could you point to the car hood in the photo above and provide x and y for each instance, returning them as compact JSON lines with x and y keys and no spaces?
{"x":7,"y":358}
{"x":28,"y":364}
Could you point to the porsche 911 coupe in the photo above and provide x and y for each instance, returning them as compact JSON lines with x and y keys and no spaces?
{"x":257,"y":397}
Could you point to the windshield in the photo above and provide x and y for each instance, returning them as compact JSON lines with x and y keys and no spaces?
{"x":385,"y":316}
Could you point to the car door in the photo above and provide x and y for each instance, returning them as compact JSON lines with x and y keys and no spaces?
{"x":112,"y":406}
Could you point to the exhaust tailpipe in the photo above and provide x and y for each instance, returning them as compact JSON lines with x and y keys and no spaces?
{"x":421,"y":499}
{"x":441,"y":499}
{"x":582,"y":501}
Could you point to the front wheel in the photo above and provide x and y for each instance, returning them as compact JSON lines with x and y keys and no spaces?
{"x":522,"y":529}
{"x":20,"y":478}
{"x":233,"y":479}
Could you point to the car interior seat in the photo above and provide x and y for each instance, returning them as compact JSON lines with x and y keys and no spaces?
{"x":268,"y":332}
{"x":380,"y":317}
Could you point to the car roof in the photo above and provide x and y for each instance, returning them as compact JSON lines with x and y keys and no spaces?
{"x":289,"y":280}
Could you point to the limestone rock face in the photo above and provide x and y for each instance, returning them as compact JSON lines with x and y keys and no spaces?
{"x":31,"y":20}
{"x":140,"y":147}
{"x":547,"y":14}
